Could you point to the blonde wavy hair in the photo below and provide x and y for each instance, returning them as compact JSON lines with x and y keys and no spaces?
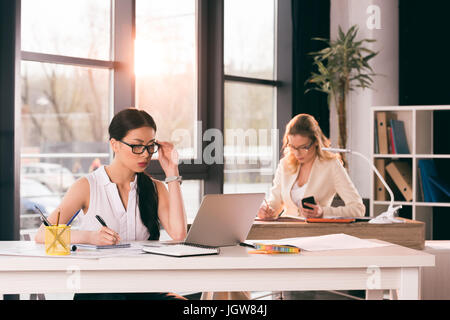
{"x":305,"y":125}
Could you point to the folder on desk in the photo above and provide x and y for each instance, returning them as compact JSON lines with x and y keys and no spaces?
{"x":401,"y":174}
{"x":382,"y":133}
{"x":330,"y":220}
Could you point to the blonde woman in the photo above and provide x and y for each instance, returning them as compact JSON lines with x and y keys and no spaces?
{"x":306,"y":170}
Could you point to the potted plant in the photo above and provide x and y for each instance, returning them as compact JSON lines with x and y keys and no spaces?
{"x":342,"y":66}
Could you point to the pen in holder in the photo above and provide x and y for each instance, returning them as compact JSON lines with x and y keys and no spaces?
{"x":57,"y":240}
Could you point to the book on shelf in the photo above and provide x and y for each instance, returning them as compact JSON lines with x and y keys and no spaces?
{"x":443,"y":188}
{"x":377,"y":148}
{"x":399,"y":141}
{"x":434,"y":188}
{"x":391,"y":141}
{"x":382,"y":132}
{"x":420,"y":195}
{"x":427,"y":168}
{"x":401,"y":174}
{"x":380,"y":190}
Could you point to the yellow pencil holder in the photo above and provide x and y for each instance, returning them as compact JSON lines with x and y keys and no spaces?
{"x":57,"y":240}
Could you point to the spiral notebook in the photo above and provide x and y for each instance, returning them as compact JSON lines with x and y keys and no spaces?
{"x":180,"y":250}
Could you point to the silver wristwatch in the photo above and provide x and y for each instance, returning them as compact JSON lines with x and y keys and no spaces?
{"x":174,"y":178}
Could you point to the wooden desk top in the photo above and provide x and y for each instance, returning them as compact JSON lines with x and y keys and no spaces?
{"x":410,"y":234}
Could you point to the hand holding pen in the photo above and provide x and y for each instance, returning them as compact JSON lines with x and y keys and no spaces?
{"x":266,"y":212}
{"x":105,"y":236}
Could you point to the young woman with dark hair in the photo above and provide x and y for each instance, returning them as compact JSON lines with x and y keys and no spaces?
{"x":132,"y":204}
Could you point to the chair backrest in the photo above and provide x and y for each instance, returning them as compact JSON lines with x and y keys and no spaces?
{"x":338,"y":202}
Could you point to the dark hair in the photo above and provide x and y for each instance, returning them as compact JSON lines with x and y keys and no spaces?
{"x":120,"y":125}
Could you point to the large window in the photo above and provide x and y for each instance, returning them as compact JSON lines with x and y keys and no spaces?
{"x":249,"y":38}
{"x":166,"y":78}
{"x":66,"y":88}
{"x":165,"y":67}
{"x":84,"y":60}
{"x":79,"y":28}
{"x":73,"y":56}
{"x":251,"y":142}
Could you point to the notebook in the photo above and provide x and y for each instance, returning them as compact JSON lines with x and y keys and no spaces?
{"x":180,"y":250}
{"x":222,"y":220}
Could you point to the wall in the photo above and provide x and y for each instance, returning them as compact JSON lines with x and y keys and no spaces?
{"x":377,"y":19}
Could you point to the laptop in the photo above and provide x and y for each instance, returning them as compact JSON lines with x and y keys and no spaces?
{"x":223,"y":220}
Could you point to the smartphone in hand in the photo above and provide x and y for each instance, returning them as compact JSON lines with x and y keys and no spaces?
{"x":310,"y":200}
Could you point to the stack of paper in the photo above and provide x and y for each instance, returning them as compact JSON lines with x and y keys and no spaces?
{"x":338,"y":241}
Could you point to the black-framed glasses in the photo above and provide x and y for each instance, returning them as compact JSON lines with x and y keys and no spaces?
{"x":140,"y":148}
{"x":301,"y":148}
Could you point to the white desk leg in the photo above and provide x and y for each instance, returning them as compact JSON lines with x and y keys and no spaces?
{"x":374,"y":294}
{"x":409,"y":284}
{"x":393,"y":294}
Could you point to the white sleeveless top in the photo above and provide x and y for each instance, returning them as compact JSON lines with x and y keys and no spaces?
{"x":297,"y":193}
{"x":105,"y":201}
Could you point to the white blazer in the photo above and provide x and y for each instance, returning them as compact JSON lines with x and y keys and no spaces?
{"x":327,"y":178}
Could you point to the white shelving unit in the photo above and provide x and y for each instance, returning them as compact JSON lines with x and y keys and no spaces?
{"x":418,"y":122}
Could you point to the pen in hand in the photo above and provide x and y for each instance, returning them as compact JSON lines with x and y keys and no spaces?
{"x":102,"y":222}
{"x":269,"y":208}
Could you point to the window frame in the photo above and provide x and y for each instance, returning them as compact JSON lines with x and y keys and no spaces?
{"x":210,"y":80}
{"x":282,"y":82}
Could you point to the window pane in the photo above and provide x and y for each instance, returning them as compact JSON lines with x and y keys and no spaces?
{"x":251,"y":142}
{"x":64,"y":108}
{"x":192,"y":191}
{"x":249,"y":44}
{"x":44,"y":178}
{"x":79,"y":28}
{"x":65,"y":111}
{"x":165,"y":68}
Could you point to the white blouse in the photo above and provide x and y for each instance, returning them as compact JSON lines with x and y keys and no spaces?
{"x":105,"y":201}
{"x":297,"y":193}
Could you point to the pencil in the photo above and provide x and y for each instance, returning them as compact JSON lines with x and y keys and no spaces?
{"x":57,"y":220}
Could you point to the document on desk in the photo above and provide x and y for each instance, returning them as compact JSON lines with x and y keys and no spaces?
{"x":338,"y":241}
{"x":32,"y":249}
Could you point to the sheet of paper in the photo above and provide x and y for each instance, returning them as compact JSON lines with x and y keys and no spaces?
{"x":442,"y":244}
{"x":32,"y":249}
{"x":338,"y":241}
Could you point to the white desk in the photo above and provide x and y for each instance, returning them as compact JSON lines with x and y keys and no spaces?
{"x":375,"y":270}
